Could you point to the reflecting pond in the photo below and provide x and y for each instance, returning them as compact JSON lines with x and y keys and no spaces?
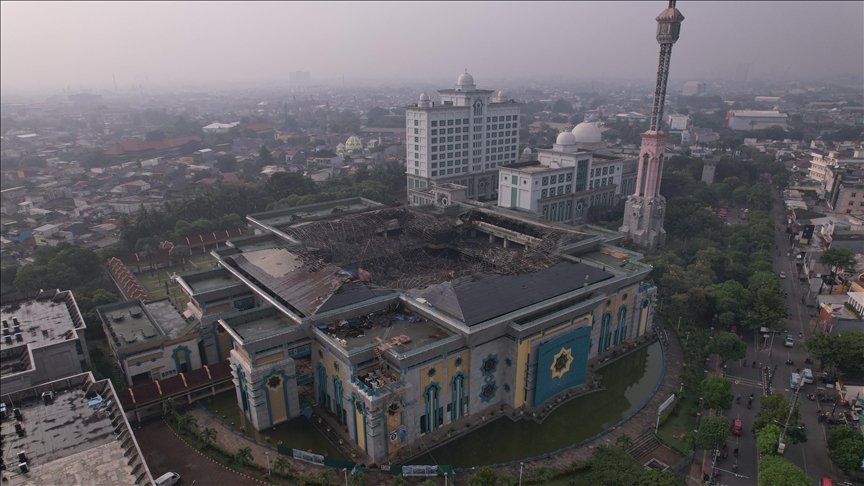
{"x":628,"y":383}
{"x":297,"y":433}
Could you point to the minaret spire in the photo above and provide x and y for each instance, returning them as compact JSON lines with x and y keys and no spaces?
{"x":644,"y":213}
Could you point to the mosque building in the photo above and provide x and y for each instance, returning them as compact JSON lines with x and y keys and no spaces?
{"x":398,"y":321}
{"x":561,"y":184}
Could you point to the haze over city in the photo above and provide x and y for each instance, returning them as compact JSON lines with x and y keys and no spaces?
{"x":52,"y":45}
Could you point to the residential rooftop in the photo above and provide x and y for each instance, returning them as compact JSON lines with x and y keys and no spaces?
{"x":49,"y":318}
{"x":79,"y":437}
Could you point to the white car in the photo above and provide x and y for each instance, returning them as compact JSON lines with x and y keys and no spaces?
{"x":789,"y":343}
{"x":168,"y":479}
{"x":782,"y":274}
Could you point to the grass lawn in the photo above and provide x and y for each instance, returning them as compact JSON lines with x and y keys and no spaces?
{"x":682,"y":421}
{"x":156,"y":284}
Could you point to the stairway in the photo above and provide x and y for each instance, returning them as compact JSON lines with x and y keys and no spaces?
{"x":643,"y":444}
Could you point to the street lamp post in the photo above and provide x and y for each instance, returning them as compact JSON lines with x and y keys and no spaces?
{"x":268,"y":461}
{"x":688,"y":337}
{"x":344,"y":470}
{"x":521,"y":465}
{"x":679,"y":324}
{"x":445,"y":479}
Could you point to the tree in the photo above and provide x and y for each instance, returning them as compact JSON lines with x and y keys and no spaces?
{"x":717,"y":392}
{"x":847,"y":447}
{"x":324,"y":476}
{"x":508,"y":480}
{"x":653,"y":477}
{"x":180,"y":252}
{"x":780,"y":179}
{"x":773,"y":409}
{"x":359,"y":479}
{"x":776,"y":471}
{"x":839,"y":258}
{"x":226,"y":163}
{"x":767,"y":439}
{"x":728,"y":346}
{"x":207,"y":437}
{"x":398,"y":481}
{"x":169,"y":408}
{"x":281,"y":465}
{"x":624,"y":441}
{"x":244,"y":456}
{"x":712,"y":432}
{"x":155,"y":136}
{"x":562,"y":106}
{"x":612,"y":466}
{"x":844,"y":350}
{"x":485,"y":476}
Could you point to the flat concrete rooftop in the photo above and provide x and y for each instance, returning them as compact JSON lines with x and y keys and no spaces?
{"x":420,"y":331}
{"x":168,"y":319}
{"x":255,"y":323}
{"x":41,"y":323}
{"x":130,"y":323}
{"x":66,"y":442}
{"x":210,"y":280}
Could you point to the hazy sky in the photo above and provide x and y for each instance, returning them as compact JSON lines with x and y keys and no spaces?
{"x":51,"y":45}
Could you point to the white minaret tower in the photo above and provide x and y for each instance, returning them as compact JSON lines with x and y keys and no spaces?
{"x":646,"y":208}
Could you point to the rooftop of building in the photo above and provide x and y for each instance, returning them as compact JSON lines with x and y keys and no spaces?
{"x":132,"y":322}
{"x":79,"y":437}
{"x":254,"y":324}
{"x":397,"y":329}
{"x":318,"y":266}
{"x":46,"y":319}
{"x":209,"y":279}
{"x":15,"y":359}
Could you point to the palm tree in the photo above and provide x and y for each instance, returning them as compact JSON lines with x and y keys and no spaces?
{"x":244,"y":456}
{"x":508,"y":480}
{"x":182,"y":252}
{"x":207,"y":436}
{"x":624,"y":441}
{"x":540,"y":473}
{"x":183,"y":421}
{"x":358,"y":479}
{"x":169,"y":408}
{"x":281,"y":465}
{"x":191,"y":422}
{"x":398,"y":481}
{"x":324,"y":476}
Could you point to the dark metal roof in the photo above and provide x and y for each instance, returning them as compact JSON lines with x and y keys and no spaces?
{"x":478,"y":298}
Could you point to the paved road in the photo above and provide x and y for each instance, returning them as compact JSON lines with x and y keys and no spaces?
{"x":165,"y":452}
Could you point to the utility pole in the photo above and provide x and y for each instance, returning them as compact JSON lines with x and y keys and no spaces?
{"x":781,"y":446}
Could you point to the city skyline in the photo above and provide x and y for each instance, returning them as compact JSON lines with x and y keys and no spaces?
{"x":185,"y":44}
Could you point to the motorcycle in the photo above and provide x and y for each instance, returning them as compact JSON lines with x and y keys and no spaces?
{"x":808,"y":360}
{"x":811,"y":397}
{"x":750,"y":404}
{"x":790,"y":362}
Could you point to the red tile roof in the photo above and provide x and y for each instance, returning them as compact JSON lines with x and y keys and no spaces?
{"x":173,"y":386}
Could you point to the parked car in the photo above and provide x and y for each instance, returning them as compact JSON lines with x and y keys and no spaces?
{"x":168,"y":479}
{"x":789,"y":343}
{"x":737,"y":427}
{"x":808,"y":375}
{"x":782,"y":274}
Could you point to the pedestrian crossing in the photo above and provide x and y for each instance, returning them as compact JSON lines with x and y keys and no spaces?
{"x":744,"y":381}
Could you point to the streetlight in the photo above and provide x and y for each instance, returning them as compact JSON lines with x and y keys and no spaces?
{"x":268,"y":462}
{"x":445,"y":479}
{"x":679,"y":324}
{"x":521,"y":464}
{"x":688,"y":337}
{"x":344,"y":470}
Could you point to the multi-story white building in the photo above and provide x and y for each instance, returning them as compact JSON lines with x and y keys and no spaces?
{"x":462,"y":140}
{"x":692,"y":88}
{"x":677,"y":122}
{"x":564,"y":182}
{"x":820,"y":163}
{"x":754,"y":120}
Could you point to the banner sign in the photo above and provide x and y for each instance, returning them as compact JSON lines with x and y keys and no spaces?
{"x":419,"y":470}
{"x":308,"y":457}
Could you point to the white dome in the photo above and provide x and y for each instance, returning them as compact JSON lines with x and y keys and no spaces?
{"x":566,"y":138}
{"x":353,"y":144}
{"x":527,"y":151}
{"x":424,"y":97}
{"x":586,"y":132}
{"x":465,"y":79}
{"x":503,"y":95}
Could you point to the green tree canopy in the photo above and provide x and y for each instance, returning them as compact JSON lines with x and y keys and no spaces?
{"x":612,"y":466}
{"x":776,"y":471}
{"x":717,"y":392}
{"x":767,"y":438}
{"x":485,"y":476}
{"x":847,"y":447}
{"x":841,"y":258}
{"x":712,"y":432}
{"x":653,"y":477}
{"x":844,"y":350}
{"x":728,"y":346}
{"x":773,"y":410}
